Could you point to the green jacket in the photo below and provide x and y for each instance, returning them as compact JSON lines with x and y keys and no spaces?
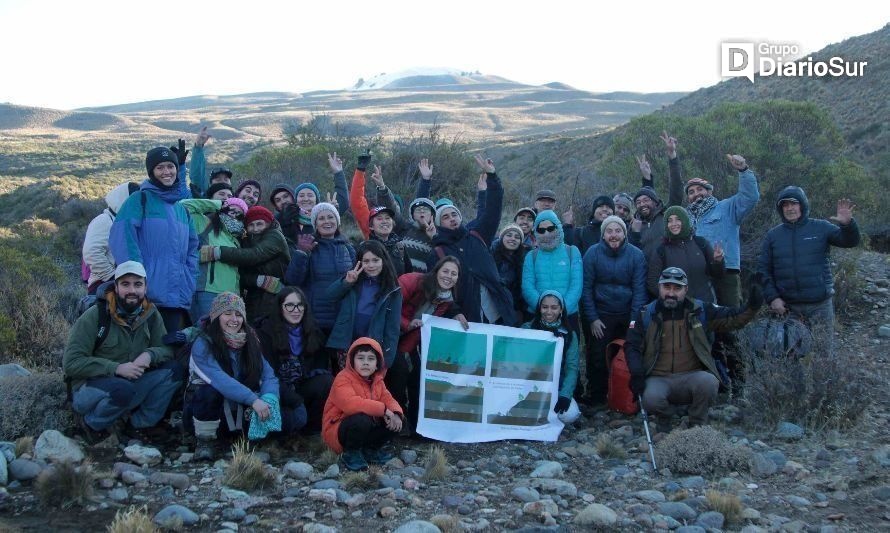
{"x":123,"y":344}
{"x":266,"y":254}
{"x":643,"y":344}
{"x":213,"y":276}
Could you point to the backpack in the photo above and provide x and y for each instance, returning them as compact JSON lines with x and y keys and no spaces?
{"x":104,"y":325}
{"x":619,"y":396}
{"x":779,"y":337}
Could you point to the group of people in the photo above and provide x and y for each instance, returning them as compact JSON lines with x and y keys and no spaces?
{"x":278,"y":323}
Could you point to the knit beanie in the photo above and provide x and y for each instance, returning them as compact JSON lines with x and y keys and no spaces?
{"x":624,"y":199}
{"x":215,"y":188}
{"x":683,"y":215}
{"x":258,"y":212}
{"x":443,"y":201}
{"x":698,"y":181}
{"x":237,"y":202}
{"x":278,"y":188}
{"x":527,"y":210}
{"x":307,"y":185}
{"x":421,"y":202}
{"x":650,"y":192}
{"x":441,"y":210}
{"x":612,"y":219}
{"x":245,"y":183}
{"x":226,"y":301}
{"x":158,"y":155}
{"x":600,"y":201}
{"x":513,"y":227}
{"x":323,"y":206}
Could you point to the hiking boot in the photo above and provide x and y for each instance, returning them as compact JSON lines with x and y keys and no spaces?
{"x":377,"y":456}
{"x":90,"y":435}
{"x":204,"y":450}
{"x":354,"y":460}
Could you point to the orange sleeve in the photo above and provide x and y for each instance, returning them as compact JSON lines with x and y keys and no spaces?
{"x":344,"y":396}
{"x":390,"y":402}
{"x":359,"y":203}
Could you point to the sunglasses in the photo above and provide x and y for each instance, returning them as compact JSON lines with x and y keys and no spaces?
{"x":290,"y":308}
{"x":672,"y":275}
{"x":548,"y":229}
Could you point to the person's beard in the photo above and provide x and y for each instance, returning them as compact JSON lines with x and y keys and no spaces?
{"x":670,"y":302}
{"x":130,"y":306}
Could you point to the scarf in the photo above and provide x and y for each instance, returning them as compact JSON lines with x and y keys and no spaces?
{"x":305,"y":219}
{"x":291,"y":369}
{"x":700,"y":208}
{"x":235,"y":341}
{"x":548,"y":241}
{"x":261,"y":428}
{"x":233,"y":226}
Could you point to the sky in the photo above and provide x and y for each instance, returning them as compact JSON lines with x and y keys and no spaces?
{"x":84,"y":53}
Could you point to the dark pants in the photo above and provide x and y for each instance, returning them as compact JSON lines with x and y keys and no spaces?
{"x":314,"y":393}
{"x":175,"y":319}
{"x":362,"y":431}
{"x":396,"y":379}
{"x":597,"y":371}
{"x":412,"y":409}
{"x":729,"y":294}
{"x":204,"y":403}
{"x":697,"y":389}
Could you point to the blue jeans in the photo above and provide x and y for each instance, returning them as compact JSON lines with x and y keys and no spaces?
{"x":104,"y":400}
{"x":204,"y":403}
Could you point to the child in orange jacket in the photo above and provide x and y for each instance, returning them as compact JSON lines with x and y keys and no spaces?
{"x":361,"y":415}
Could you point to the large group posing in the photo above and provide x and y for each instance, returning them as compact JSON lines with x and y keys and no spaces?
{"x":254,"y":323}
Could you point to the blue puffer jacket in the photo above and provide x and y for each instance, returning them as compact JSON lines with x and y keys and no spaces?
{"x":721,"y":224}
{"x":794,"y":257}
{"x":559,"y":269}
{"x":316,"y":272}
{"x":614,"y":281}
{"x":385,"y":322}
{"x":153,"y":229}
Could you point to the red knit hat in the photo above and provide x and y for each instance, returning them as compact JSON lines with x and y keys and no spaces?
{"x":258,"y":212}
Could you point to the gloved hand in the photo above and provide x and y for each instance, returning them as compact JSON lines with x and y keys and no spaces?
{"x":180,"y":151}
{"x":637,"y":384}
{"x":290,"y":215}
{"x":306,"y":243}
{"x":562,"y":405}
{"x":364,"y":160}
{"x":755,"y":296}
{"x":207,"y":254}
{"x":270,"y":284}
{"x":175,"y":338}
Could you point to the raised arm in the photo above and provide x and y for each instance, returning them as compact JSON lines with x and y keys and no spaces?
{"x":359,"y":203}
{"x":487,"y":220}
{"x":426,"y":177}
{"x":847,"y":234}
{"x":340,"y":192}
{"x":748,"y":194}
{"x":197,"y":166}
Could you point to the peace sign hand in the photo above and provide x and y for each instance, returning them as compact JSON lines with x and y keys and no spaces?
{"x":670,"y":143}
{"x":377,"y":177}
{"x":645,"y":168}
{"x":486,"y":165}
{"x":203,"y":137}
{"x":335,"y":163}
{"x":352,"y":275}
{"x":430,"y":229}
{"x":331,"y":198}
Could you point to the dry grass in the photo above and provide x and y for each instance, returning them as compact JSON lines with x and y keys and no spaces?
{"x":610,"y":448}
{"x":362,"y":481}
{"x":24,"y":445}
{"x":729,"y":505}
{"x":246,"y":471}
{"x":447,"y":523}
{"x":436,"y":464}
{"x":328,"y":457}
{"x":64,"y":485}
{"x":678,"y":496}
{"x":132,"y":521}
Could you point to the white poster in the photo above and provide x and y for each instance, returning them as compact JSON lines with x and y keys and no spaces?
{"x":488,"y":383}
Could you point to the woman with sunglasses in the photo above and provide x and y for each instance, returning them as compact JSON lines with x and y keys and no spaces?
{"x":294,"y":346}
{"x":217,"y":224}
{"x":553,"y":266}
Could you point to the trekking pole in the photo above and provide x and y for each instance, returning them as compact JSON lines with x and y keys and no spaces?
{"x":648,"y":435}
{"x":575,"y":188}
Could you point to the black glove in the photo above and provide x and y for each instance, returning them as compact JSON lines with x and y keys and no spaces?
{"x":289,"y":397}
{"x":290,"y":215}
{"x":175,"y":338}
{"x":562,"y":405}
{"x":363,"y":161}
{"x":180,"y":151}
{"x":755,"y":296}
{"x":637,"y":385}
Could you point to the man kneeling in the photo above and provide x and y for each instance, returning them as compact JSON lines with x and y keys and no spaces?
{"x":115,"y":358}
{"x":668,"y":348}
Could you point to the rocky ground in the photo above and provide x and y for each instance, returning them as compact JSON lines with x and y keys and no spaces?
{"x":597,"y":476}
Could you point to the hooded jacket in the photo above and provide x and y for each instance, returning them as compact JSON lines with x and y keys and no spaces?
{"x":385,"y":319}
{"x":153,"y":229}
{"x":96,"y":252}
{"x":213,"y":276}
{"x":81,"y":359}
{"x":568,"y":375}
{"x":559,"y":269}
{"x":614,"y":280}
{"x":794,"y":256}
{"x":352,"y":394}
{"x":315,"y":272}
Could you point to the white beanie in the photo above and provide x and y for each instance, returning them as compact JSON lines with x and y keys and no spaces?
{"x":441,"y":210}
{"x":323,"y":206}
{"x":612,"y":219}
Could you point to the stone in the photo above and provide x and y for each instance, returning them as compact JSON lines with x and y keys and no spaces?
{"x":232,"y":494}
{"x":172,"y":514}
{"x":762,"y":466}
{"x":323,"y":495}
{"x":53,"y":446}
{"x":12,"y":369}
{"x":596,"y":515}
{"x":234,"y":514}
{"x":798,"y":501}
{"x":298,"y":470}
{"x":525,"y":494}
{"x":547,"y":469}
{"x":417,"y":526}
{"x":326,"y":484}
{"x":653,"y":496}
{"x":4,"y":472}
{"x":558,"y":486}
{"x":177,"y":481}
{"x":23,"y":469}
{"x":883,"y":331}
{"x":409,"y":457}
{"x":8,"y":451}
{"x":711,"y":520}
{"x":540,"y":507}
{"x":789,"y":431}
{"x":776,"y":456}
{"x":228,"y":526}
{"x":119,"y":494}
{"x":676,"y":510}
{"x":691,"y":529}
{"x":131,"y":477}
{"x":318,"y":528}
{"x":882,"y":493}
{"x":143,"y":455}
{"x":693,"y":482}
{"x":332,"y":472}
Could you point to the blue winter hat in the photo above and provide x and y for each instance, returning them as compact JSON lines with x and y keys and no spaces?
{"x":443,"y":201}
{"x":307,"y":185}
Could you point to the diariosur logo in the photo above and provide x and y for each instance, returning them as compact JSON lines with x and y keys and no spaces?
{"x":743,"y":59}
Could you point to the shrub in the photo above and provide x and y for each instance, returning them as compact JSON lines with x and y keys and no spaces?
{"x":436,"y":464}
{"x":31,"y":404}
{"x":701,"y":450}
{"x":65,"y":484}
{"x":729,"y":505}
{"x":820,"y":391}
{"x":132,"y":521}
{"x":246,"y":471}
{"x":609,"y":447}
